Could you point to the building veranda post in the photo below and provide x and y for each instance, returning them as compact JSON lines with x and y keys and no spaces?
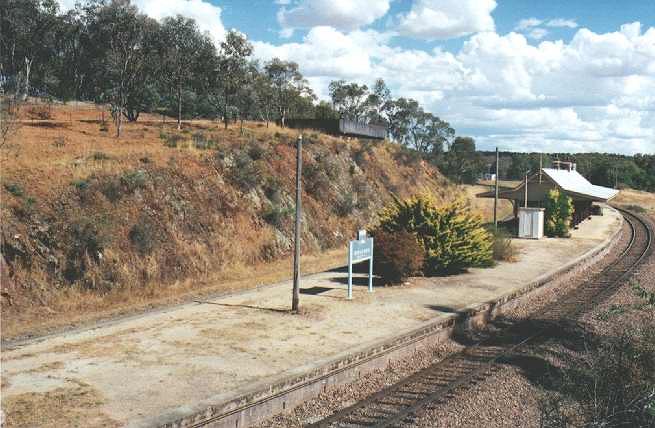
{"x":564,"y":177}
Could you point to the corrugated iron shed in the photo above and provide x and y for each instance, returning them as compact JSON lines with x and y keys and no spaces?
{"x":574,"y":182}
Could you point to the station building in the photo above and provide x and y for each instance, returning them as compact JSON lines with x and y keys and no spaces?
{"x":563,"y":176}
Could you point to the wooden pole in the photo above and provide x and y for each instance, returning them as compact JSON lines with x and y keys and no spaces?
{"x":526,"y":190}
{"x":496,"y":195}
{"x":296,"y":255}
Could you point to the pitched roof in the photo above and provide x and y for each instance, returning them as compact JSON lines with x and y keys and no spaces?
{"x":572,"y":181}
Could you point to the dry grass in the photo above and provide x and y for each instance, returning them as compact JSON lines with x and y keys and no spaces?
{"x":629,"y":197}
{"x":77,"y":405}
{"x":208,"y":234}
{"x":485,"y":206}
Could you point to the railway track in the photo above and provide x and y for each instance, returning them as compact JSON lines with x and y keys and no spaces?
{"x":398,"y":404}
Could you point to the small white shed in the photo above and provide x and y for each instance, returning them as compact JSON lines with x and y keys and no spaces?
{"x":531,"y":223}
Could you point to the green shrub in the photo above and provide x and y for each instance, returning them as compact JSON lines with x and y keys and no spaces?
{"x":647,"y":296}
{"x":636,"y":208}
{"x":316,"y":180}
{"x":133,"y":180}
{"x":558,"y":215}
{"x":365,"y":194}
{"x":329,"y":165}
{"x":276,"y":215}
{"x":256,"y":150}
{"x":502,"y":246}
{"x":200,"y":141}
{"x":451,"y":236}
{"x":245,"y":173}
{"x":346,"y":204}
{"x":398,"y":255}
{"x":171,"y":140}
{"x":273,"y":190}
{"x":111,"y":188}
{"x":15,"y":189}
{"x":80,"y":184}
{"x":612,"y":383}
{"x":143,"y":235}
{"x":87,"y":238}
{"x":99,"y":156}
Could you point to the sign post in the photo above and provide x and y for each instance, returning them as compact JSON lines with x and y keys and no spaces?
{"x":360,"y":250}
{"x":295,"y":299}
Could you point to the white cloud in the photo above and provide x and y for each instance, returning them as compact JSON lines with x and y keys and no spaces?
{"x":538,"y":33}
{"x":207,"y":15}
{"x":561,"y":22}
{"x":528,"y":23}
{"x":340,"y":14}
{"x":596,"y":92}
{"x":444,"y":19}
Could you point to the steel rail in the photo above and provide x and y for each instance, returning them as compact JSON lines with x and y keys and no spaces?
{"x":479,"y":357}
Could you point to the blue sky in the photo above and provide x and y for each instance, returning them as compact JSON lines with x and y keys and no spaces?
{"x":257,"y":18}
{"x":554,"y":75}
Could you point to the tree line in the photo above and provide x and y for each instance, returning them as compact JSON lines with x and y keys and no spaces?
{"x":604,"y":169}
{"x":111,"y":53}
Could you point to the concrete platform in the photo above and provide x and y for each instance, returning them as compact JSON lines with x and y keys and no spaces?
{"x":162,"y":367}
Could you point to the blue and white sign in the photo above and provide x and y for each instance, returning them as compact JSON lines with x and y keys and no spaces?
{"x":358,"y":251}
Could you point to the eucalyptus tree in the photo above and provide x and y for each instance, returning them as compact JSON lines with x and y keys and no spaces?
{"x":263,"y":87}
{"x":288,"y":86}
{"x":184,"y":52}
{"x":233,"y":73}
{"x":128,"y":38}
{"x":401,"y":113}
{"x":27,"y":29}
{"x":428,"y":133}
{"x":379,"y":101}
{"x":247,"y":98}
{"x":349,"y":99}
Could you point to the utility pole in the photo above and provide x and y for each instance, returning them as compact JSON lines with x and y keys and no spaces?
{"x":526,"y":189}
{"x":496,"y":195}
{"x":296,"y":254}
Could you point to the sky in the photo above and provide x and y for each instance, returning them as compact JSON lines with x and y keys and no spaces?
{"x":523,"y":75}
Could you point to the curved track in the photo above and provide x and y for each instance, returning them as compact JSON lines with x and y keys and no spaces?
{"x":398,"y":404}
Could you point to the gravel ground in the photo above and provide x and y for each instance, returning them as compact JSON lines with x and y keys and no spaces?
{"x":511,"y":394}
{"x":337,"y":398}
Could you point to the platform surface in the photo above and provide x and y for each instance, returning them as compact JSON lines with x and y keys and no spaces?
{"x":160,"y":366}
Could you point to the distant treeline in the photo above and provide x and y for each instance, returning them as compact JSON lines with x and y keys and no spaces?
{"x":637,"y":172}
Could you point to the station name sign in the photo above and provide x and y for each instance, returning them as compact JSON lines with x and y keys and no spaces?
{"x":360,"y":250}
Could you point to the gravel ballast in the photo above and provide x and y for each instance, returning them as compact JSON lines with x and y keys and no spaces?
{"x":508,"y":396}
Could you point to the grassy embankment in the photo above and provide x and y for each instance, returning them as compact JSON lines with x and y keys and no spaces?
{"x":93,"y":226}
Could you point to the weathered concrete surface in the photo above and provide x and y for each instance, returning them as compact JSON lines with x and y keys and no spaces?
{"x":160,"y":367}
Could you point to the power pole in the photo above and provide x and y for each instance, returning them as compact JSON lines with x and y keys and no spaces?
{"x":526,"y":189}
{"x":496,"y":196}
{"x":295,"y":300}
